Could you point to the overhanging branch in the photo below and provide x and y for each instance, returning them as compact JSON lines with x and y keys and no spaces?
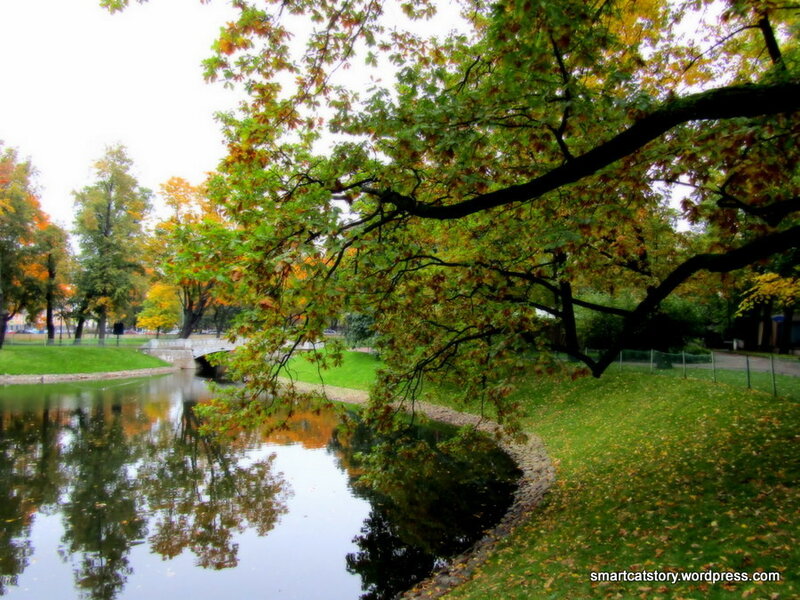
{"x":758,"y":249}
{"x":749,"y":100}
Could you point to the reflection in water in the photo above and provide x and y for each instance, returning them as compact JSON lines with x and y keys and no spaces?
{"x":386,"y":564}
{"x":102,"y":517}
{"x":107,"y":474}
{"x":201,"y":495}
{"x":430,"y":499}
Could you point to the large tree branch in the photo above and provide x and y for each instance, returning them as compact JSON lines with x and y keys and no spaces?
{"x":772,"y":214}
{"x":749,"y":100}
{"x":435,"y":261}
{"x":771,"y":42}
{"x":758,"y":249}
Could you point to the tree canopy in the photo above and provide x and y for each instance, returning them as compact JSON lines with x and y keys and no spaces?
{"x":472,"y":186}
{"x":109,"y":220}
{"x":30,"y":246}
{"x":193,"y":236}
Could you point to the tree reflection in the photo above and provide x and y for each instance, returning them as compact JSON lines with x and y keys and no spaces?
{"x":124,"y":470}
{"x":118,"y":469}
{"x":102,"y":518}
{"x":432,"y":496}
{"x":201,"y":495}
{"x":386,"y":564}
{"x":31,"y":476}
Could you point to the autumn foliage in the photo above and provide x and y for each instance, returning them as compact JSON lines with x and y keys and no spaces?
{"x":32,"y":249}
{"x":473,"y":173}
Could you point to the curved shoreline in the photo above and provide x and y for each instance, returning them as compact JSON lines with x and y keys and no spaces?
{"x":537,"y":476}
{"x":62,"y":377}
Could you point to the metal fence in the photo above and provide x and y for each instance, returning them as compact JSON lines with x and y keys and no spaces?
{"x":779,"y":376}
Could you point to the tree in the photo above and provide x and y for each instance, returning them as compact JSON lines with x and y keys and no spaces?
{"x":53,"y":254}
{"x":21,"y":220}
{"x":109,"y":227}
{"x":678,"y":320}
{"x":774,"y":290}
{"x":508,"y":168}
{"x":161,"y":309}
{"x":188,"y":243}
{"x":221,"y":316}
{"x":358,"y":329}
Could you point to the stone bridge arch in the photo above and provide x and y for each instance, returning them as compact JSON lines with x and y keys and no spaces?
{"x":186,"y":353}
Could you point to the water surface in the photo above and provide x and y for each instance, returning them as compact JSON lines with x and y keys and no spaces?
{"x":107,"y":491}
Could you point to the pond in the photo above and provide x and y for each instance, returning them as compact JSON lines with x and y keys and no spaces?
{"x":108,"y":492}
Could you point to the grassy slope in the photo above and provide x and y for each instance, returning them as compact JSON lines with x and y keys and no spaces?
{"x":654,"y":473}
{"x":357,"y":371}
{"x":39,"y":360}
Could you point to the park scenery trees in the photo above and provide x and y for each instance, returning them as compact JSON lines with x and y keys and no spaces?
{"x":475,"y":187}
{"x":109,"y":225}
{"x":32,"y":249}
{"x":486,"y":193}
{"x":185,"y":245}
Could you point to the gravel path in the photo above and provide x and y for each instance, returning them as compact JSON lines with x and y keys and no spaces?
{"x":16,"y":379}
{"x":538,"y":475}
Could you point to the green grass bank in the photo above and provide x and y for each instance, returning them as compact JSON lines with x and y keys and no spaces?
{"x":57,"y":360}
{"x":654,"y":473}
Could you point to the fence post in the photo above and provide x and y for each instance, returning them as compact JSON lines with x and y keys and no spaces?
{"x":652,"y":357}
{"x":747,"y":369}
{"x":620,"y":360}
{"x":713,"y":367}
{"x":683,"y":360}
{"x":772,"y":370}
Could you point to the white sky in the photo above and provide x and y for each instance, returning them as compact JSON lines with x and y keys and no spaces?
{"x":76,"y":79}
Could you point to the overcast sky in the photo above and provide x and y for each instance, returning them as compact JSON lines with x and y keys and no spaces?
{"x":76,"y":79}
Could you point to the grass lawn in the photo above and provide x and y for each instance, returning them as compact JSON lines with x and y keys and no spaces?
{"x":357,"y":370}
{"x":40,"y":339}
{"x":654,"y":473}
{"x":42,"y":360}
{"x":786,"y":385}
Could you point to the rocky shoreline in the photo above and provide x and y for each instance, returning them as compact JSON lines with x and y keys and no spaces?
{"x":537,"y":476}
{"x":62,"y":377}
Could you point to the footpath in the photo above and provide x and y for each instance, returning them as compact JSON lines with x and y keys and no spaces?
{"x":61,"y":377}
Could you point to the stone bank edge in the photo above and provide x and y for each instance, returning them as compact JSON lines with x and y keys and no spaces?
{"x":65,"y":377}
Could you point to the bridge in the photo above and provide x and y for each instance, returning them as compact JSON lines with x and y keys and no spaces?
{"x":183,"y":353}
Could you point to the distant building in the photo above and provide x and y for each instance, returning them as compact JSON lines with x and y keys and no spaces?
{"x":17,"y":323}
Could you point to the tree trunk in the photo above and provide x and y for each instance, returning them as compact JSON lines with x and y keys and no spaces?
{"x":765,"y":341}
{"x":190,"y":319}
{"x":568,"y":319}
{"x":51,"y":328}
{"x":785,"y":341}
{"x":79,"y":330}
{"x":50,"y":299}
{"x":81,"y":321}
{"x":102,"y":317}
{"x":3,"y":324}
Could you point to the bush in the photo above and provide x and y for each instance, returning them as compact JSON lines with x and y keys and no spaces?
{"x":359,"y":329}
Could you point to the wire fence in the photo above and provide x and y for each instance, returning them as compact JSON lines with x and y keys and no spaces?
{"x":776,"y":375}
{"x":779,"y":376}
